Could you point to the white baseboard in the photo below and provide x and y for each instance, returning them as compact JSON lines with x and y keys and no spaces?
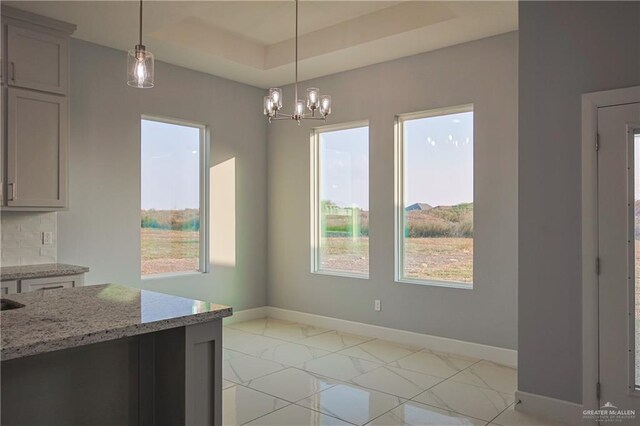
{"x":246,"y":315}
{"x":557,"y":410}
{"x":442,"y":344}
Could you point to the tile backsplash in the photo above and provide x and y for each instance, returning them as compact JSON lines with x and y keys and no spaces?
{"x":21,"y":241}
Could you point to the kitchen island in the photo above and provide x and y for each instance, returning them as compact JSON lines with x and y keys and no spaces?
{"x":111,"y":354}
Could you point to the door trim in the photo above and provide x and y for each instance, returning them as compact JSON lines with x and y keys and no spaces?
{"x":632,"y":130}
{"x":590,"y":104}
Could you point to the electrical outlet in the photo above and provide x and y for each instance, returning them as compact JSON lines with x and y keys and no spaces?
{"x":377,"y":306}
{"x":47,"y":238}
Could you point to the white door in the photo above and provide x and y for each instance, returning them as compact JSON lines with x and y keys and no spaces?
{"x":619,"y":261}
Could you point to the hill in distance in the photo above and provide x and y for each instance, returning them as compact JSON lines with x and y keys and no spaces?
{"x":418,"y":207}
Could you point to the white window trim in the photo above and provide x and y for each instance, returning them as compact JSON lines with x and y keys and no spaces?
{"x":633,"y":130}
{"x":315,"y":198}
{"x":399,"y":197}
{"x":204,"y":264}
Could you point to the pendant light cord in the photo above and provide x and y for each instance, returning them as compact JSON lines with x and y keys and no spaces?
{"x":141,"y":22}
{"x":296,"y":87}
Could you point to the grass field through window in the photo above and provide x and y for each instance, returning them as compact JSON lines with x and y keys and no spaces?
{"x":438,"y":258}
{"x":166,"y":250}
{"x":442,"y":259}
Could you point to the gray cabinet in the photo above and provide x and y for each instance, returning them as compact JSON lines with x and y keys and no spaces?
{"x":51,"y":283}
{"x":35,"y":80}
{"x":37,"y":140}
{"x":41,"y":284}
{"x":8,"y":287}
{"x":37,"y":60}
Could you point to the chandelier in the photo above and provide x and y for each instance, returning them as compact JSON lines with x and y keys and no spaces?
{"x":319,"y":106}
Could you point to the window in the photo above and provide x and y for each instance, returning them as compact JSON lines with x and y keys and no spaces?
{"x":173,"y":178}
{"x":434,"y":196}
{"x":340,"y":201}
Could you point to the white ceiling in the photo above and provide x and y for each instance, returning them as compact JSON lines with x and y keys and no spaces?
{"x":252,"y":41}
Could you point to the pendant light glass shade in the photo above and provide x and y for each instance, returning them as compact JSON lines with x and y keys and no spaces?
{"x":140,"y":62}
{"x":268,"y":106}
{"x":275,"y":94}
{"x":312,"y":98}
{"x":325,"y":105}
{"x":140,"y":68}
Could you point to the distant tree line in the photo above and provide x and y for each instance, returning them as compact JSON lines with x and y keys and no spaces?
{"x":176,"y":220}
{"x":432,"y":222}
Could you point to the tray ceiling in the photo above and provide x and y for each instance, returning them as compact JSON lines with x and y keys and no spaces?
{"x":252,"y":41}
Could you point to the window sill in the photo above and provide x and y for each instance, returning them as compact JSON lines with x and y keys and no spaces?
{"x":171,"y":275}
{"x":342,"y":274}
{"x":435,"y":283}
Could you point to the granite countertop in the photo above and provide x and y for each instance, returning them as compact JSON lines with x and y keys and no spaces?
{"x":40,"y":271}
{"x":53,"y":320}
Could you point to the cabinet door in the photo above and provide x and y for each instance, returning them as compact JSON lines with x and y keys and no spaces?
{"x":51,"y":283}
{"x":37,"y":60}
{"x":8,"y":287}
{"x":37,"y":141}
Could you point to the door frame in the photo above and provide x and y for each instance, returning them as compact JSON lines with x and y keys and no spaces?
{"x":590,"y":297}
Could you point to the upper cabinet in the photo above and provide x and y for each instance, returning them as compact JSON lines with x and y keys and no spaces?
{"x":37,"y":60}
{"x":35,"y":122}
{"x":36,"y":149}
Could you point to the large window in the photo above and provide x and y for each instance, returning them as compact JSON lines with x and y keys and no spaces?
{"x":435,"y":197}
{"x":173,"y":177}
{"x":340,"y":204}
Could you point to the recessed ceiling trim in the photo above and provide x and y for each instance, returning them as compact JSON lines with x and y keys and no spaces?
{"x":251,"y":41}
{"x":373,"y":26}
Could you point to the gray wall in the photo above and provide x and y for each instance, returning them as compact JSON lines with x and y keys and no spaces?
{"x":566,"y":49}
{"x":102,"y":227}
{"x":484,"y":73}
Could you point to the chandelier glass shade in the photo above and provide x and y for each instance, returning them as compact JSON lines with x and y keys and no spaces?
{"x":140,"y":63}
{"x":315,"y":107}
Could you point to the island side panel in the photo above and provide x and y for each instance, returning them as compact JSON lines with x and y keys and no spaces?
{"x":203,"y":373}
{"x":94,"y":384}
{"x":162,"y":375}
{"x":171,"y":377}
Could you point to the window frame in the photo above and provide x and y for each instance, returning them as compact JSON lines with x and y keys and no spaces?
{"x":633,"y":131}
{"x":315,"y":196}
{"x":204,"y":264}
{"x":399,"y":218}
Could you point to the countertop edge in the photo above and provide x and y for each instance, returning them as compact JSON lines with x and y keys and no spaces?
{"x":111,"y":334}
{"x":26,"y":274}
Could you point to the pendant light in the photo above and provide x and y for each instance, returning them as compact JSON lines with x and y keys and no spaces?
{"x":140,"y":63}
{"x":319,"y":106}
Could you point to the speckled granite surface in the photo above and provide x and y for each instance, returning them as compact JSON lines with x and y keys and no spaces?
{"x":53,"y":320}
{"x":40,"y":271}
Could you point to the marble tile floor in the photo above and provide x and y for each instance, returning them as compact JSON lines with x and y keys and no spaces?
{"x":288,"y":374}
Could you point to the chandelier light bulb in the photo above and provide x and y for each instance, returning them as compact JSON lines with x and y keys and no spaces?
{"x":312,"y":98}
{"x":275,"y":93}
{"x":325,"y":105}
{"x":268,"y":106}
{"x":299,"y":108}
